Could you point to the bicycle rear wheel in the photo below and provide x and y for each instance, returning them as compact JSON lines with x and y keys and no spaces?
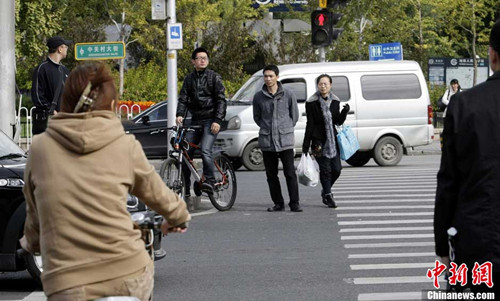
{"x":225,"y":188}
{"x":171,"y":173}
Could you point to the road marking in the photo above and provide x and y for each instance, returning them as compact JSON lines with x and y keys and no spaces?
{"x":390,"y":245}
{"x":386,"y":229}
{"x":386,"y":207}
{"x":386,"y":222}
{"x":349,"y":195}
{"x":391,"y":255}
{"x":211,"y":211}
{"x":390,"y":296}
{"x":35,"y":296}
{"x":383,"y":201}
{"x":392,"y":236}
{"x":378,"y":189}
{"x":394,"y":280}
{"x":385,"y":214}
{"x":391,"y":266}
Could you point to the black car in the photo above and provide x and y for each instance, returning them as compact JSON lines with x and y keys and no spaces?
{"x":150,"y":128}
{"x":13,"y":211}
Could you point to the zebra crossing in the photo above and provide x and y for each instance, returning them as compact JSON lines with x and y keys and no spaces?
{"x":385,"y":218}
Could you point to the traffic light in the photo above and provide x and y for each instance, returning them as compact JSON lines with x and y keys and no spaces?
{"x":321,"y":27}
{"x":322,"y":30}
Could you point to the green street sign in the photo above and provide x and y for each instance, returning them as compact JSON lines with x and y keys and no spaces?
{"x":99,"y":51}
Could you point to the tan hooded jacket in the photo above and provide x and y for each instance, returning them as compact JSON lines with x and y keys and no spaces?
{"x":77,"y":178}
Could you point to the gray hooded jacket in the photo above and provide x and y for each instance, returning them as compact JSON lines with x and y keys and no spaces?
{"x":276,"y":115}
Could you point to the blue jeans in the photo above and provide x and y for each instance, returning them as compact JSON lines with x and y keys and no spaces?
{"x":205,"y":139}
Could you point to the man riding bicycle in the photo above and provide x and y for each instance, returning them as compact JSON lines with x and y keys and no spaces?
{"x":202,"y":94}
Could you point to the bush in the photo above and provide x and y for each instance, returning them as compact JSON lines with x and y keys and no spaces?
{"x":147,"y":82}
{"x":435,"y":92}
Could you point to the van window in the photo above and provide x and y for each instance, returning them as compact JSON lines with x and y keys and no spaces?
{"x":340,"y":87}
{"x":248,"y":90}
{"x":297,"y":86}
{"x":390,"y":86}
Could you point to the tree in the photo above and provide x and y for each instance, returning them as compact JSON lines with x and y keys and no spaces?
{"x":35,"y":21}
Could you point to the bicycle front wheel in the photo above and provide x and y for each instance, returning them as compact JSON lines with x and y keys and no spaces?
{"x":225,"y":184}
{"x":171,"y":173}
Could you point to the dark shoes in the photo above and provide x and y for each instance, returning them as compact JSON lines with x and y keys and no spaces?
{"x":276,"y":208}
{"x":296,"y":208}
{"x":328,"y":200}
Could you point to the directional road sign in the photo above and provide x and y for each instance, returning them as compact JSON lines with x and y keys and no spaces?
{"x":99,"y":51}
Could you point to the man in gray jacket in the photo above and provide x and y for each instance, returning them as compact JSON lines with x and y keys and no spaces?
{"x":276,"y":112}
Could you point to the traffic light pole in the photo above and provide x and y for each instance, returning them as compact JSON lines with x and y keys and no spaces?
{"x":7,"y":67}
{"x":171,"y":75}
{"x":322,"y":54}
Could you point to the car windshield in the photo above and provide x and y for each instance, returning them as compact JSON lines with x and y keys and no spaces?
{"x":8,"y":147}
{"x":247,"y":91}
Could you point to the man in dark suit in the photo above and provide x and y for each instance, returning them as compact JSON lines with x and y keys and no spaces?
{"x":468,"y":190}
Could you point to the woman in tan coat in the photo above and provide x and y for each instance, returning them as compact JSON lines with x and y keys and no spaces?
{"x":77,"y":178}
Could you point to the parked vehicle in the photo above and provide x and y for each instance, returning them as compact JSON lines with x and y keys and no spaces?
{"x":389,"y":101}
{"x":150,"y":128}
{"x":13,"y":213}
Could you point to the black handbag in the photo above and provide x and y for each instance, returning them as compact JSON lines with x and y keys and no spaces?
{"x":440,"y":104}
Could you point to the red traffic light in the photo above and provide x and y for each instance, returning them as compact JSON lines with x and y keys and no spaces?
{"x":321,"y":19}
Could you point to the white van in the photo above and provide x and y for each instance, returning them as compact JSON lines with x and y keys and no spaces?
{"x":389,"y":101}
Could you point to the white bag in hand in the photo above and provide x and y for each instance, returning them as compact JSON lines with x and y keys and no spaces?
{"x":308,"y":171}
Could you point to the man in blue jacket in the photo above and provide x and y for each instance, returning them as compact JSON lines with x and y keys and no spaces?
{"x":468,"y":190}
{"x":276,"y":112}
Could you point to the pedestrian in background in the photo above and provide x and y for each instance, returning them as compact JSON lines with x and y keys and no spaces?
{"x":78,"y":176}
{"x":468,"y":190}
{"x":48,"y":83}
{"x":203,"y":95}
{"x":276,"y":112}
{"x":323,"y":114}
{"x":452,"y":89}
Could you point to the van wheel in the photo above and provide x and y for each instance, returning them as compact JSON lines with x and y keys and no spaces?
{"x":252,"y":157}
{"x":34,"y":266}
{"x":388,"y":151}
{"x":359,"y":159}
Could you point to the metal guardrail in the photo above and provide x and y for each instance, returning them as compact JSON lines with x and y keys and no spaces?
{"x":26,"y":135}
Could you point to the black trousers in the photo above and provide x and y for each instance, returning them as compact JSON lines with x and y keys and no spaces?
{"x":329,"y":172}
{"x":271,"y":163}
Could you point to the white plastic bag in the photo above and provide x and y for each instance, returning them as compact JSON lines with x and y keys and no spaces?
{"x":308,"y":171}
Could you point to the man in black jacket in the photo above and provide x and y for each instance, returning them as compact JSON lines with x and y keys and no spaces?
{"x":468,"y":190}
{"x":202,"y":94}
{"x":48,"y":83}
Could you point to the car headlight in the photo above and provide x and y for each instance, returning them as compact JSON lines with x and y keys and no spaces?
{"x":234,"y":123}
{"x":11,"y":182}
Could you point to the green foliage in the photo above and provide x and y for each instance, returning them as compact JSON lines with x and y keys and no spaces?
{"x":435,"y":92}
{"x":148,"y":82}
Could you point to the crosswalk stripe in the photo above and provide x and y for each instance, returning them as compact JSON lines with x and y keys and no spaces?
{"x":391,"y":266}
{"x":390,"y":296}
{"x":391,"y":255}
{"x":394,"y":280}
{"x":390,"y":245}
{"x":383,"y":201}
{"x":386,"y":207}
{"x":349,"y":195}
{"x":392,"y":236}
{"x":391,"y":229}
{"x":385,"y":214}
{"x":385,"y":222}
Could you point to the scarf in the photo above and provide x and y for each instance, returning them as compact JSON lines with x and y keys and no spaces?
{"x":329,"y":149}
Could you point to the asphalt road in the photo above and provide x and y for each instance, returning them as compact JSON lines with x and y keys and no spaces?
{"x":377,"y":245}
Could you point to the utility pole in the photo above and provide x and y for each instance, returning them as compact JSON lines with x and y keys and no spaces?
{"x":171,"y":74}
{"x":7,"y":67}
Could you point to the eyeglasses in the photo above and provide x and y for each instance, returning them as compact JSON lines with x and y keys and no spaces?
{"x":323,"y":84}
{"x":201,"y":58}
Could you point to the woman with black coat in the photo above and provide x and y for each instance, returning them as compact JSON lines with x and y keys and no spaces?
{"x":322,"y":111}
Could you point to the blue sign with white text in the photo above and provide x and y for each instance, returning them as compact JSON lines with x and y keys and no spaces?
{"x":175,"y":32}
{"x":386,"y":51}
